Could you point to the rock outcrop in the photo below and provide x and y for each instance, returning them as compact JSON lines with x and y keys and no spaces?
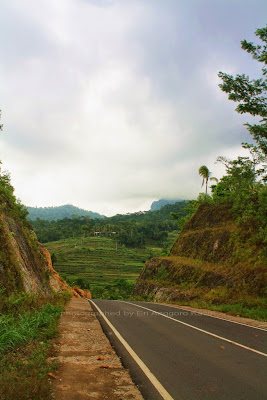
{"x":57,"y":283}
{"x":25,"y":265}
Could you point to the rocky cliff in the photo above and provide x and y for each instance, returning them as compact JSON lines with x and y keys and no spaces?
{"x":25,"y":265}
{"x":213,"y":261}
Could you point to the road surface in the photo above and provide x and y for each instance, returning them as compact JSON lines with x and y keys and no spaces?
{"x":173,"y":353}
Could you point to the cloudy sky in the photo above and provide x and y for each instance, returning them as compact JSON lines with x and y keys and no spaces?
{"x":111,"y":104}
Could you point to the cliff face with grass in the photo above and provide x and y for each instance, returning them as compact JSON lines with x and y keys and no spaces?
{"x":25,"y":265}
{"x":212,"y":262}
{"x":32,"y":298}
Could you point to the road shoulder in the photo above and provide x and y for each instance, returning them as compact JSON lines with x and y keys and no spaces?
{"x":89,"y":367}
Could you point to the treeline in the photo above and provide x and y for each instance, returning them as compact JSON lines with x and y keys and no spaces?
{"x":59,"y":212}
{"x":132,"y":230}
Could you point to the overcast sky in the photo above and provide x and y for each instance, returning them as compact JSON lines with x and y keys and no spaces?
{"x":111,"y":104}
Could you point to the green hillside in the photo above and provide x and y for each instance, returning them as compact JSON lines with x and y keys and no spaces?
{"x":60,"y":212}
{"x":107,"y":268}
{"x":213,"y":264}
{"x":133,"y":230}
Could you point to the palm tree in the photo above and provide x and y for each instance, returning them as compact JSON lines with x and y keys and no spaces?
{"x":205,"y":173}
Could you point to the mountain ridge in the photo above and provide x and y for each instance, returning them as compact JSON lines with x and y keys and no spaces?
{"x":54,"y":213}
{"x":158,"y":204}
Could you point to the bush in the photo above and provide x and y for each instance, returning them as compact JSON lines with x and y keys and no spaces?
{"x":9,"y":201}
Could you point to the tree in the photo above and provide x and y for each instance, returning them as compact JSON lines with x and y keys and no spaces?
{"x":251,"y":94}
{"x":240,"y":180}
{"x":183,"y":215}
{"x":205,"y":173}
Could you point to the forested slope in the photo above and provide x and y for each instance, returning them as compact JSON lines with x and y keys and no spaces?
{"x":59,"y":212}
{"x":133,"y":230}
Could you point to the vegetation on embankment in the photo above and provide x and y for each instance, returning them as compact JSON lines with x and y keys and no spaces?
{"x":25,"y":265}
{"x":23,"y":262}
{"x":219,"y":260}
{"x":27,"y":325}
{"x":29,"y":304}
{"x":101,"y":264}
{"x":213,"y":264}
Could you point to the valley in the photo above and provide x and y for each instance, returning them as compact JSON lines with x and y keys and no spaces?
{"x":102,"y":265}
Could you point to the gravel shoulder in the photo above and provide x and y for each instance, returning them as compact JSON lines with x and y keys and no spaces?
{"x":89,"y":367}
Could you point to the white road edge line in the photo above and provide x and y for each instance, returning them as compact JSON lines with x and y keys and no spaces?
{"x":158,"y":386}
{"x":198,"y":329}
{"x":209,"y":315}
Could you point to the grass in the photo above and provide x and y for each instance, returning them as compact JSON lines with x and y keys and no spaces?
{"x":214,"y":265}
{"x":24,"y":372}
{"x":246,"y":307}
{"x":27,"y":326}
{"x":100,"y":264}
{"x":221,"y":299}
{"x":240,"y":310}
{"x":16,"y":331}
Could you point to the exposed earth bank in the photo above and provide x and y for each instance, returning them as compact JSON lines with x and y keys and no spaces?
{"x":25,"y":265}
{"x":213,"y":261}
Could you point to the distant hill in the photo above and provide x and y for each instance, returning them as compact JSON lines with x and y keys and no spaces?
{"x":156,"y":205}
{"x":60,"y":212}
{"x":143,"y":225}
{"x":160,"y":215}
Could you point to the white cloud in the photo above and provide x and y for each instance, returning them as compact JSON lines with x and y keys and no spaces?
{"x":109,"y":105}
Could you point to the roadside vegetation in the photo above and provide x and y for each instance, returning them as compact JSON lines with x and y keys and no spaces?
{"x":244,"y":184}
{"x":28,"y":323}
{"x":219,"y":260}
{"x":248,"y":307}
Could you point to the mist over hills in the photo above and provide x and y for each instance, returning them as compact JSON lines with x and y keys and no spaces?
{"x":59,"y":212}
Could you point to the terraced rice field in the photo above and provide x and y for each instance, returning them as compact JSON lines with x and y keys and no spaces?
{"x":97,"y":262}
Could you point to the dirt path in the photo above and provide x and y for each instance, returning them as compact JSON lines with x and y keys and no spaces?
{"x":82,"y":375}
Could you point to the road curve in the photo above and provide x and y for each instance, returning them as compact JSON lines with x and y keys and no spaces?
{"x":189,"y":356}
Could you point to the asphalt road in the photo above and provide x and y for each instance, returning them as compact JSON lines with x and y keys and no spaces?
{"x":190,"y":356}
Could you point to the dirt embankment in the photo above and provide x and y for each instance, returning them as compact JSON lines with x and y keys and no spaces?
{"x":212,"y":260}
{"x":89,"y":367}
{"x":57,"y":283}
{"x":25,"y":265}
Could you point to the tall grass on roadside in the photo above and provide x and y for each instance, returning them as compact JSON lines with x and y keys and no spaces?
{"x":27,"y":325}
{"x":21,"y":302}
